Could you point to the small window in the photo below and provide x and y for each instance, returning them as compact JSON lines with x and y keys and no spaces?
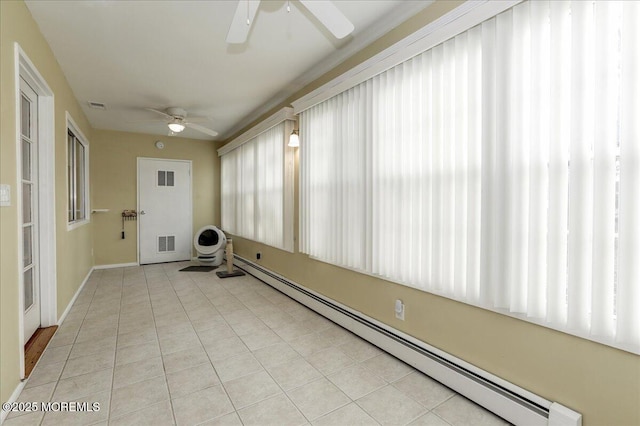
{"x":165,"y":178}
{"x":78,"y":178}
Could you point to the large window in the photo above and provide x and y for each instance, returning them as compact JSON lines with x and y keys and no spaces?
{"x":77,"y":177}
{"x":257,"y":190}
{"x":498,"y":168}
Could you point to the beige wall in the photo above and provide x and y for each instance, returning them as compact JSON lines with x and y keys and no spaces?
{"x":598,"y":381}
{"x":114,"y":186}
{"x":74,"y":259}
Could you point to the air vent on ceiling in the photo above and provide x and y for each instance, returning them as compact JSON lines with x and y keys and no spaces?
{"x":97,"y":105}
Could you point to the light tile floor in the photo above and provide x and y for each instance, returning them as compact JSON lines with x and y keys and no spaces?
{"x":156,"y":346}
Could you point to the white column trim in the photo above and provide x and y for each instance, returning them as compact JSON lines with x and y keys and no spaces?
{"x":275,"y":119}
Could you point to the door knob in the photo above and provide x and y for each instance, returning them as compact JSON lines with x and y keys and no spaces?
{"x":143,"y":212}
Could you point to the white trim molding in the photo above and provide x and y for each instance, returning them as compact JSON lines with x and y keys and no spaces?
{"x":468,"y":15}
{"x":24,"y":68}
{"x":75,"y":129}
{"x":13,"y":398}
{"x":75,"y":296}
{"x":273,"y":120}
{"x":116,"y":265}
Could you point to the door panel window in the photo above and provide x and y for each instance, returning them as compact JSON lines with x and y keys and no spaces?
{"x":25,"y":118}
{"x":27,"y":244}
{"x":26,"y":160}
{"x":26,"y":203}
{"x":29,"y":292}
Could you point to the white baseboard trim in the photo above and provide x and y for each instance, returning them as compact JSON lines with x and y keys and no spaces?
{"x":73,"y":299}
{"x":511,"y":402}
{"x":21,"y":385}
{"x":14,"y":396}
{"x":116,"y":265}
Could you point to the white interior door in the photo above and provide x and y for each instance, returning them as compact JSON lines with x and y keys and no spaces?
{"x":164,"y":210}
{"x":29,"y":216}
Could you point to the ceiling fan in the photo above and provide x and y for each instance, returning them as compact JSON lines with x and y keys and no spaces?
{"x":176,"y":119}
{"x":325,"y":11}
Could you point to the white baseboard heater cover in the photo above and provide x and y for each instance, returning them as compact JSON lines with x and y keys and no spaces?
{"x":505,"y":399}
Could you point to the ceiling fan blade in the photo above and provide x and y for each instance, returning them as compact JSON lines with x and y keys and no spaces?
{"x":242,"y":20}
{"x":160,"y":112}
{"x":156,"y":120}
{"x":330,"y":16}
{"x":202,"y":129}
{"x":199,"y":119}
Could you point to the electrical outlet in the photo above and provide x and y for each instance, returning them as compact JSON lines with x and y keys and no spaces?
{"x":399,"y":309}
{"x":258,"y":255}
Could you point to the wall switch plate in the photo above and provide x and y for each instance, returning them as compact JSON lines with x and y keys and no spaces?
{"x":258,"y":255}
{"x":399,"y":309}
{"x":5,"y":195}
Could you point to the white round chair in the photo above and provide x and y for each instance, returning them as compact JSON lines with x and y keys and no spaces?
{"x":210,"y":243}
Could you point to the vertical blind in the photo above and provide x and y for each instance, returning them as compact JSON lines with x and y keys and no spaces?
{"x":253,"y":189}
{"x":500,"y":168}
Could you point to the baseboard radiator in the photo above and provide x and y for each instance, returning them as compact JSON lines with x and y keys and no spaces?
{"x":505,"y":399}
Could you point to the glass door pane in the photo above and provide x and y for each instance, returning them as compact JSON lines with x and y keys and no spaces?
{"x":25,"y":117}
{"x":26,"y":203}
{"x":26,"y":159}
{"x":27,"y":245}
{"x":28,"y":289}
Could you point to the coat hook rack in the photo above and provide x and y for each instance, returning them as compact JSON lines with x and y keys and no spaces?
{"x":128,"y":215}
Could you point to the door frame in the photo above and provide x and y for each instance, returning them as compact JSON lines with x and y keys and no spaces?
{"x":25,"y":69}
{"x":138,"y":199}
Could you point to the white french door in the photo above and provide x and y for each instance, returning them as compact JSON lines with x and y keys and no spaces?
{"x":164,"y":210}
{"x":29,"y":216}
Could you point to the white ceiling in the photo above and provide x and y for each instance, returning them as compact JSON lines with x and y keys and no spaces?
{"x":132,"y":55}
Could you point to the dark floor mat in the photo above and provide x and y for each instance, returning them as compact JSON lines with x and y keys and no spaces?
{"x":198,"y":269}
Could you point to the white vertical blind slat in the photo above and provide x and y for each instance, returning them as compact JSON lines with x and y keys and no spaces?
{"x":605,"y":60}
{"x":427,"y":181}
{"x":539,"y":159}
{"x":247,"y":197}
{"x":489,"y":221}
{"x":558,"y":163}
{"x":580,"y":172}
{"x":448,"y":173}
{"x":628,"y":292}
{"x":503,"y":213}
{"x":474,"y":161}
{"x":519,"y":162}
{"x":437,"y":251}
{"x":460,"y":236}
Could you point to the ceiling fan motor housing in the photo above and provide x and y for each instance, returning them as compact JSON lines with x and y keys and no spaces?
{"x":177,"y":112}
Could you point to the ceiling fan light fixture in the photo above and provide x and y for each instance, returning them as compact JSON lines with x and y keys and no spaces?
{"x":176,"y":127}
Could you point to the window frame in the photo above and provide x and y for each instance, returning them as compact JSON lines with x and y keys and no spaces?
{"x":73,"y":130}
{"x":248,"y":141}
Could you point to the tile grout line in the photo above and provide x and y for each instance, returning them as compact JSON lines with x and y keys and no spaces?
{"x":155,"y":326}
{"x":115,"y":353}
{"x":55,"y":387}
{"x":201,"y":344}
